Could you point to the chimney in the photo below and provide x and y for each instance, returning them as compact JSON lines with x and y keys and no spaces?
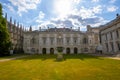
{"x":14,"y":26}
{"x":88,"y":28}
{"x":78,"y":28}
{"x":11,"y":27}
{"x":6,"y":16}
{"x":30,"y":29}
{"x":18,"y":27}
{"x":55,"y":29}
{"x":10,"y":20}
{"x":48,"y":28}
{"x":71,"y":28}
{"x":39,"y":28}
{"x":64,"y":28}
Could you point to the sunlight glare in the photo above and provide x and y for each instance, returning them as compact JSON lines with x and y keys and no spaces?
{"x":62,"y":7}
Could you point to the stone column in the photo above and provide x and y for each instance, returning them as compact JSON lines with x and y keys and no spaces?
{"x":64,"y":39}
{"x":28,"y":45}
{"x":71,"y":39}
{"x":114,"y":42}
{"x":48,"y":39}
{"x":55,"y":40}
{"x":40,"y":43}
{"x":40,"y":50}
{"x":72,"y":50}
{"x":47,"y":50}
{"x":64,"y":50}
{"x":55,"y":51}
{"x":78,"y":40}
{"x":79,"y":50}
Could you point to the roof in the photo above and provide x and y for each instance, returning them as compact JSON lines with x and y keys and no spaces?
{"x":111,"y":23}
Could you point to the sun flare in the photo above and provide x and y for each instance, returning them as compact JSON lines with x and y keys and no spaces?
{"x":62,"y":7}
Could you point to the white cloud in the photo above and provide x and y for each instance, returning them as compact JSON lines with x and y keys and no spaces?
{"x":85,"y":12}
{"x":95,"y":0}
{"x":112,"y":8}
{"x":11,"y":8}
{"x":112,"y":1}
{"x":47,"y":24}
{"x":90,"y":12}
{"x":63,"y":8}
{"x":101,"y":21}
{"x":78,"y":18}
{"x":97,"y":9}
{"x":25,"y":5}
{"x":40,"y":17}
{"x":35,"y":27}
{"x":77,"y":1}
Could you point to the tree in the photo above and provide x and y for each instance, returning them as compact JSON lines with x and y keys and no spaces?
{"x":4,"y":36}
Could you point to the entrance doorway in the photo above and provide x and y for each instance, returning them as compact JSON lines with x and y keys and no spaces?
{"x":44,"y":50}
{"x":68,"y":50}
{"x":51,"y":50}
{"x":75,"y":50}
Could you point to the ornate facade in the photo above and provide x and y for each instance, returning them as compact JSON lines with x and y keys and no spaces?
{"x":73,"y":41}
{"x":16,"y":35}
{"x":110,"y":36}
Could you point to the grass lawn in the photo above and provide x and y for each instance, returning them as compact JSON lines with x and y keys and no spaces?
{"x":74,"y":67}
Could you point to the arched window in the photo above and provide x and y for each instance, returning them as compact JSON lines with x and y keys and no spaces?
{"x":75,"y":40}
{"x":68,"y":40}
{"x":44,"y":40}
{"x":85,"y":41}
{"x":51,"y":40}
{"x":33,"y":40}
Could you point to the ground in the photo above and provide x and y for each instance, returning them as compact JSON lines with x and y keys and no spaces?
{"x":73,"y":67}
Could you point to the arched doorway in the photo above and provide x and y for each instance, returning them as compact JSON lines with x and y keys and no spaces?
{"x":44,"y":50}
{"x":51,"y":50}
{"x":75,"y":50}
{"x":68,"y":50}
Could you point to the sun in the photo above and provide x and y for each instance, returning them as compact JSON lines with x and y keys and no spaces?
{"x":62,"y":7}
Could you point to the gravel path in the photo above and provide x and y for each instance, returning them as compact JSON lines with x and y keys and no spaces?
{"x":3,"y":60}
{"x":111,"y":56}
{"x":117,"y":58}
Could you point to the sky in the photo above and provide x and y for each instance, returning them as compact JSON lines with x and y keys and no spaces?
{"x":61,"y":13}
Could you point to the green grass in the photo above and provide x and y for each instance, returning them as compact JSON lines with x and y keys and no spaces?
{"x":73,"y":67}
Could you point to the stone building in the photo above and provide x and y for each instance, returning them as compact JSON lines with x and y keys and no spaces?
{"x":73,"y":41}
{"x":110,"y":36}
{"x":16,"y":32}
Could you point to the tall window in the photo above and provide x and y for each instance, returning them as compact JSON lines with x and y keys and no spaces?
{"x":33,"y":40}
{"x":112,"y":47}
{"x":44,"y":40}
{"x":111,"y":35}
{"x":117,"y":33}
{"x":85,"y":41}
{"x":118,"y":44}
{"x":90,"y":41}
{"x":68,"y":40}
{"x":59,"y":41}
{"x":75,"y":40}
{"x":51,"y":40}
{"x":106,"y":36}
{"x":107,"y":47}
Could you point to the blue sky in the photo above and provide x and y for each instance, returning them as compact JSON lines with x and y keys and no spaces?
{"x":61,"y":13}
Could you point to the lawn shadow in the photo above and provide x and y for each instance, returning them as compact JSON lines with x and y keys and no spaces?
{"x":81,"y":56}
{"x":44,"y":57}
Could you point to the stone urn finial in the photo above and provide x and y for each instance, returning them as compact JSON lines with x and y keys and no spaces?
{"x":59,"y":54}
